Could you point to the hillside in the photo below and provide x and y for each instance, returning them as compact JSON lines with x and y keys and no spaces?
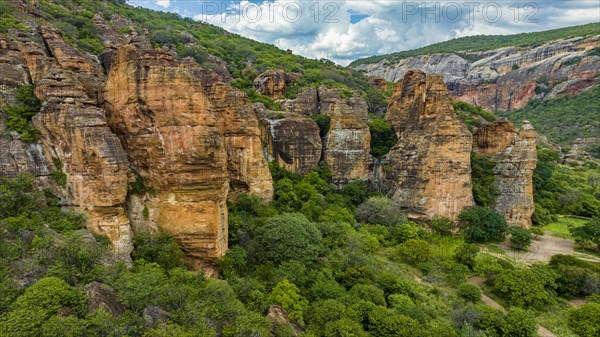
{"x":468,"y":46}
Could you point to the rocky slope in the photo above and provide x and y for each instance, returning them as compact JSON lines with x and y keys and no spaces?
{"x":506,"y":78}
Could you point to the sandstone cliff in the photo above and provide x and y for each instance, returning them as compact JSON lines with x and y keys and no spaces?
{"x":429,"y":168}
{"x":292,"y":140}
{"x":506,"y":78}
{"x":74,"y":130}
{"x":191,"y":138}
{"x":516,"y":157}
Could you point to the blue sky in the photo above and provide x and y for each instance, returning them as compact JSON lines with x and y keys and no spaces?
{"x":347,"y":30}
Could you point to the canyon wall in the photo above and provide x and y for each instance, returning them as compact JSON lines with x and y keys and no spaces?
{"x":505,"y":78}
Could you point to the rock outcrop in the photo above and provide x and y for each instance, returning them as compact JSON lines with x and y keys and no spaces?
{"x":429,"y":168}
{"x":103,"y":297}
{"x":273,"y":83}
{"x":347,"y":144}
{"x":73,"y":130}
{"x":290,"y":139}
{"x":515,"y":155}
{"x":506,"y":78}
{"x":305,"y":103}
{"x":159,"y":110}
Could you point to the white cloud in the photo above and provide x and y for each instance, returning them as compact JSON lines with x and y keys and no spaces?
{"x":387,"y":26}
{"x":164,"y":3}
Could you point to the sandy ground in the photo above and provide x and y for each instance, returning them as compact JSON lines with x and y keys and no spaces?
{"x":542,"y":249}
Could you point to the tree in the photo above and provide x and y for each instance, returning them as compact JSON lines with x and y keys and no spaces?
{"x":466,"y":254}
{"x":585,"y":321}
{"x":442,"y":225}
{"x":481,"y":224}
{"x":519,"y":323}
{"x":157,"y":247}
{"x":286,"y":237}
{"x":379,"y":211}
{"x":533,"y":287}
{"x":469,"y":292}
{"x":37,"y":304}
{"x":288,"y":296}
{"x":590,"y":232}
{"x":415,"y":251}
{"x":384,"y":322}
{"x":520,"y":238}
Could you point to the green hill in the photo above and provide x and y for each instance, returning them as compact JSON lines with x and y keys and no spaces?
{"x":464,"y":45}
{"x":246,"y":58}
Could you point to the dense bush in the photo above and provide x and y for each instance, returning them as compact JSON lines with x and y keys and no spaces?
{"x":590,"y":232}
{"x":469,"y":292}
{"x":520,"y":238}
{"x":286,"y":237}
{"x":157,"y":247}
{"x":585,"y":321}
{"x":485,"y":190}
{"x":383,"y":136}
{"x":480,"y":224}
{"x":18,"y":116}
{"x":519,"y":323}
{"x":534,"y":287}
{"x":380,"y":211}
{"x":442,"y":225}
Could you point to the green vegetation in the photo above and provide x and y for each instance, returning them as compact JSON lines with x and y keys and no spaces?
{"x":563,"y":119}
{"x":482,"y":224}
{"x":485,"y":190}
{"x":462,"y":46}
{"x":472,"y":116}
{"x":560,"y":189}
{"x":561,"y":227}
{"x":383,"y":136}
{"x":520,"y":238}
{"x":18,"y":116}
{"x":588,"y":234}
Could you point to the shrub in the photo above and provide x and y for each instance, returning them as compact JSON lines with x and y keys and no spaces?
{"x":383,"y":136}
{"x":157,"y":247}
{"x":520,"y":238}
{"x":286,"y":237}
{"x":519,"y":323}
{"x":288,"y":296}
{"x":469,"y":292}
{"x":585,"y":321}
{"x":442,"y":225}
{"x":466,"y":254}
{"x":386,"y":323}
{"x":379,"y":211}
{"x":590,"y":232}
{"x":485,"y":190}
{"x":415,"y":251}
{"x":39,"y":303}
{"x":533,"y":287}
{"x":482,"y":224}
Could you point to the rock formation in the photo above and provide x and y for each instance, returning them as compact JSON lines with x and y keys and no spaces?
{"x":516,"y":157}
{"x":189,"y":137}
{"x":429,"y":167}
{"x":74,"y":130}
{"x":347,"y":144}
{"x":273,"y":83}
{"x":506,"y":78}
{"x":306,"y":103}
{"x":290,"y":139}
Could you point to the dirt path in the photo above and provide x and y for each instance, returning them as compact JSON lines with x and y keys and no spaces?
{"x":542,"y":249}
{"x":478,"y":281}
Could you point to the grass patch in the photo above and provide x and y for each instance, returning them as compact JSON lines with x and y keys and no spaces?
{"x":560,"y":228}
{"x":494,"y":249}
{"x":554,"y":320}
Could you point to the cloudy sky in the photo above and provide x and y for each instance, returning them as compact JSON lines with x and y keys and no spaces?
{"x":347,"y":30}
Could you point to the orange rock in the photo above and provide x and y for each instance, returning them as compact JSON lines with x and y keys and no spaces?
{"x":429,"y":167}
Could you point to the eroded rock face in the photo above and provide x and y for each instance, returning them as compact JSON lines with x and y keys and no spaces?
{"x":273,"y":83}
{"x":291,"y":139}
{"x":506,"y":78}
{"x":347,"y":145}
{"x":515,"y":155}
{"x":162,"y":116}
{"x":74,"y":130}
{"x":429,"y":167}
{"x":306,"y":103}
{"x":103,"y":297}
